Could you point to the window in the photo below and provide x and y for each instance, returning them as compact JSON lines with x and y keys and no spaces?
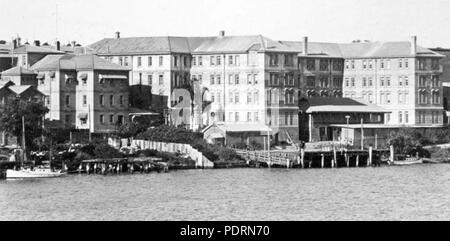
{"x":337,"y":82}
{"x":237,"y":60}
{"x":67,"y":119}
{"x":140,"y":78}
{"x":382,"y":81}
{"x":388,"y":81}
{"x":84,"y":100}
{"x":382,"y":64}
{"x":422,"y":64}
{"x":353,"y":64}
{"x":126,"y":61}
{"x":400,"y":63}
{"x":212,"y":60}
{"x":111,"y":100}
{"x":347,"y":82}
{"x":194,"y":60}
{"x":150,"y":79}
{"x":388,"y":98}
{"x":102,"y":100}
{"x":111,"y":118}
{"x":337,"y":65}
{"x":230,"y":115}
{"x":200,"y":78}
{"x":323,"y":65}
{"x":218,"y":79}
{"x":364,"y":64}
{"x":435,"y":64}
{"x":230,"y":79}
{"x":435,"y":81}
{"x":255,"y":79}
{"x":200,"y":60}
{"x":120,"y":60}
{"x":161,"y":79}
{"x":150,"y":63}
{"x":231,"y":96}
{"x":230,"y":60}
{"x":236,"y":116}
{"x":236,"y":98}
{"x":212,"y":97}
{"x":255,"y":116}
{"x":406,"y":63}
{"x":353,"y":82}
{"x":273,"y":60}
{"x":236,"y":79}
{"x":139,"y":61}
{"x":400,"y":80}
{"x":211,"y":79}
{"x":249,"y":116}
{"x":119,"y":120}
{"x":400,"y":119}
{"x":406,"y":116}
{"x":67,"y":100}
{"x":311,"y":65}
{"x":161,"y":60}
{"x":249,"y":79}
{"x":185,"y":61}
{"x":311,"y":81}
{"x":102,"y":119}
{"x":324,"y":82}
{"x":288,"y":60}
{"x":175,"y":61}
{"x":370,"y":64}
{"x":406,"y":80}
{"x":256,"y":97}
{"x":347,"y":64}
{"x":121,"y":100}
{"x":364,"y":80}
{"x":370,"y":81}
{"x":218,"y":60}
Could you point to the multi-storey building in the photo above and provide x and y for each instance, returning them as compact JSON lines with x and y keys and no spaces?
{"x":398,"y":76}
{"x":161,"y":62}
{"x":84,"y":91}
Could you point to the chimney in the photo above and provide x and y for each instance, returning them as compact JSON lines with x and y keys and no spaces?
{"x":414,"y":45}
{"x":74,"y":44}
{"x":222,"y":33}
{"x":15,"y":44}
{"x":37,"y":43}
{"x":58,"y":46}
{"x":305,"y":46}
{"x":117,"y":35}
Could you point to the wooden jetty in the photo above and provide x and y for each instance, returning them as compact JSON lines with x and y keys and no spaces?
{"x":122,"y":165}
{"x":314,"y":159}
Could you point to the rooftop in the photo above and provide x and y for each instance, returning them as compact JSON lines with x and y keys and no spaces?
{"x":78,"y":62}
{"x":342,"y":105}
{"x":35,"y":49}
{"x":17,"y":71}
{"x":245,"y":43}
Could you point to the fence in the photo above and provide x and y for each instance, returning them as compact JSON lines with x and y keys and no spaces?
{"x":200,"y":160}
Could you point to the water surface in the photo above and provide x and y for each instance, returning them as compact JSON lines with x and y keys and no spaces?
{"x":419,"y":192}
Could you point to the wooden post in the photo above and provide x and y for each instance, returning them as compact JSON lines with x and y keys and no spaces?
{"x":369,"y":161}
{"x":376,"y":140}
{"x":288,"y":162}
{"x":87,"y":168}
{"x":357,"y":161}
{"x":302,"y":157}
{"x":334,"y":157}
{"x":322,"y":162}
{"x":310,"y":162}
{"x":391,"y":150}
{"x":347,"y":159}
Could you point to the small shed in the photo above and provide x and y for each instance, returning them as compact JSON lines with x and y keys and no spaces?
{"x":236,"y":133}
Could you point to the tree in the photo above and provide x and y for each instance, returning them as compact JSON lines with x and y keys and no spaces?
{"x":405,"y":141}
{"x":11,"y":119}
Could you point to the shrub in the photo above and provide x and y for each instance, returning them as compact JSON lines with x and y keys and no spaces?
{"x":106,"y":151}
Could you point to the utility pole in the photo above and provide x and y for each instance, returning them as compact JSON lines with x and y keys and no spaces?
{"x":23,"y":141}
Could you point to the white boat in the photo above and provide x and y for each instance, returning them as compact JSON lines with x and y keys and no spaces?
{"x":35,"y":173}
{"x":407,"y":161}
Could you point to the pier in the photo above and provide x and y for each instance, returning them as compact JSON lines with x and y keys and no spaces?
{"x":315,"y":159}
{"x":123,"y":165}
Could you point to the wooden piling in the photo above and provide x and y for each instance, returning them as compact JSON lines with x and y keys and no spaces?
{"x":347,"y":159}
{"x":322,"y":161}
{"x":357,"y":161}
{"x":391,"y":150}
{"x":369,"y":161}
{"x":302,"y":157}
{"x":334,"y":161}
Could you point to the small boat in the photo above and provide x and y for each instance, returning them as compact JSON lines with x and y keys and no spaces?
{"x":33,"y":173}
{"x":406,"y":161}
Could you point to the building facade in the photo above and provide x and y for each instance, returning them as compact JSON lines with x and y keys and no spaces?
{"x":84,"y":91}
{"x":398,"y":76}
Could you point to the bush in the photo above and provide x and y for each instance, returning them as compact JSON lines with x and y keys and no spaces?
{"x":106,"y":151}
{"x":170,"y":134}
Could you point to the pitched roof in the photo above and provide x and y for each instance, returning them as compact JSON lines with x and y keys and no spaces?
{"x":17,"y":71}
{"x":35,"y":49}
{"x":147,"y":45}
{"x":230,"y":44}
{"x":383,"y":50}
{"x":75,"y":62}
{"x":316,"y":48}
{"x":19,"y":89}
{"x":240,"y":127}
{"x":332,"y":104}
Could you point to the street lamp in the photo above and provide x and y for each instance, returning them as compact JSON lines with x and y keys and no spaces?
{"x":346,"y":132}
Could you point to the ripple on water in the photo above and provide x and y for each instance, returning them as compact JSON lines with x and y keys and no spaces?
{"x":386,"y":193}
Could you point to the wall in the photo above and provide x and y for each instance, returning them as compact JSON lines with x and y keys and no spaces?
{"x":200,"y":160}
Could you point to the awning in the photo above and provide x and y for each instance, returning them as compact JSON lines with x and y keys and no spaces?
{"x":83,"y":76}
{"x":40,"y":76}
{"x":123,"y":77}
{"x":82,"y":115}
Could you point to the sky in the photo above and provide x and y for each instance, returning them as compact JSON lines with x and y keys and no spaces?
{"x":87,"y":21}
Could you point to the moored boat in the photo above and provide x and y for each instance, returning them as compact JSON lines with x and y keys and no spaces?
{"x":407,"y":161}
{"x":32,"y":173}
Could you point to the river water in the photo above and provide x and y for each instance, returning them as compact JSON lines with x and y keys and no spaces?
{"x":420,"y":192}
